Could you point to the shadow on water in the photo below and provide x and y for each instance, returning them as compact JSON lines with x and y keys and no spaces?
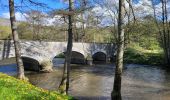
{"x":93,"y":98}
{"x":97,"y":69}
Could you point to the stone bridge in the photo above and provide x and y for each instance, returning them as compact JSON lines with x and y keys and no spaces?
{"x":41,"y":51}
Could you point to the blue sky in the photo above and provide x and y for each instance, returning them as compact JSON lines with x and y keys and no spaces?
{"x":56,"y":4}
{"x":155,"y":1}
{"x":52,"y":4}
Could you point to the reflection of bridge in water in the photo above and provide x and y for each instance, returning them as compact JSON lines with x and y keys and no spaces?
{"x":36,"y":52}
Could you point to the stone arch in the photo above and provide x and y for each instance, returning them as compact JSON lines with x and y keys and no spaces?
{"x":79,"y":50}
{"x":58,"y":59}
{"x":77,"y":58}
{"x":97,"y":50}
{"x":62,"y":50}
{"x":99,"y":56}
{"x":31,"y":63}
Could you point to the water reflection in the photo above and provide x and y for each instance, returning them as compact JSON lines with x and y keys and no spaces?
{"x":95,"y":82}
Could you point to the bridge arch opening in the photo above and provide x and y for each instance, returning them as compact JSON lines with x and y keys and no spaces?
{"x":31,"y":64}
{"x":59,"y":59}
{"x":76,"y":58}
{"x":99,"y":57}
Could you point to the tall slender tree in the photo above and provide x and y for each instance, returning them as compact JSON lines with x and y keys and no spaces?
{"x":64,"y":85}
{"x":116,"y":93}
{"x":16,"y":41}
{"x":165,"y":32}
{"x":164,"y":29}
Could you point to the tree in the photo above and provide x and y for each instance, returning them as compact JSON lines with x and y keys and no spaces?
{"x":36,"y":21}
{"x":165,"y":32}
{"x":116,"y":93}
{"x":164,"y":29}
{"x":16,"y":41}
{"x":64,"y":85}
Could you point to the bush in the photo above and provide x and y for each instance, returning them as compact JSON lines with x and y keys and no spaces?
{"x":139,"y":57}
{"x":61,"y":55}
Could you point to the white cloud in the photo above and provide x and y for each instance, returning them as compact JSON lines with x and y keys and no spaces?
{"x":46,"y":20}
{"x":56,"y":20}
{"x":106,"y":14}
{"x":143,"y":8}
{"x":5,"y":15}
{"x":19,"y":16}
{"x":107,"y":10}
{"x":159,"y":10}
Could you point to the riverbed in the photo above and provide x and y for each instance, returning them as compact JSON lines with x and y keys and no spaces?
{"x":139,"y":82}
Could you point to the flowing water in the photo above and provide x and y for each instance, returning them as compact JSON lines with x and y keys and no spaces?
{"x":139,"y":82}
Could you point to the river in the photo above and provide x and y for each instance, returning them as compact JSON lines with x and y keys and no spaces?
{"x":139,"y":82}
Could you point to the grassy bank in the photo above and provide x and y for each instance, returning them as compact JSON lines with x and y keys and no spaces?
{"x":14,"y":89}
{"x":142,"y":56}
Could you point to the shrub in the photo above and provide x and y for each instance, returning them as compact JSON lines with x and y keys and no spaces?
{"x":139,"y":57}
{"x":61,"y":55}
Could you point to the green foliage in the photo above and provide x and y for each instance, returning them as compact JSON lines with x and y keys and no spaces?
{"x":143,"y":46}
{"x":100,"y":35}
{"x":28,"y":31}
{"x":144,"y":33}
{"x":14,"y":89}
{"x":24,"y":31}
{"x":140,"y":56}
{"x":61,"y":55}
{"x":5,"y":32}
{"x":149,"y":43}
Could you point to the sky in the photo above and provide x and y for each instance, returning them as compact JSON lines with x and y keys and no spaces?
{"x":51,"y":4}
{"x":143,"y":7}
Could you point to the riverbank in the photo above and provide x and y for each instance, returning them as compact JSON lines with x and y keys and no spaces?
{"x":14,"y":89}
{"x":143,"y":57}
{"x":8,"y":61}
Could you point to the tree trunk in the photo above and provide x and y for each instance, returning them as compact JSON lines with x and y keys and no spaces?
{"x":116,"y":93}
{"x":165,"y":33}
{"x":64,"y":85}
{"x":16,"y":41}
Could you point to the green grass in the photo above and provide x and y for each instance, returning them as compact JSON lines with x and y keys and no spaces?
{"x":14,"y":89}
{"x":141,"y":56}
{"x":4,"y":32}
